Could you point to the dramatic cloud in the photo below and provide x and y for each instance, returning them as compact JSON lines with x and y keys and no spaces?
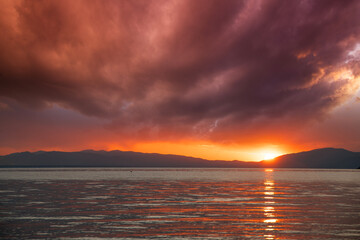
{"x":169,"y":69}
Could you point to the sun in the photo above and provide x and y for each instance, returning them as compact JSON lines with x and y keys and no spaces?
{"x":269,"y":155}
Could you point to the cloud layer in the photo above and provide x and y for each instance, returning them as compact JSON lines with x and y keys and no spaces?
{"x":182,"y":68}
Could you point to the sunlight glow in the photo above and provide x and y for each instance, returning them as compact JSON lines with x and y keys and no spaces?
{"x":206,"y":150}
{"x":270,"y":155}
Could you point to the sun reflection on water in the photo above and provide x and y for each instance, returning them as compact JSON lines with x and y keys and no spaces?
{"x":269,"y":208}
{"x":268,"y":236}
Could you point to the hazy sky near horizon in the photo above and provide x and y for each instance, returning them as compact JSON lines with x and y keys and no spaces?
{"x":213,"y":79}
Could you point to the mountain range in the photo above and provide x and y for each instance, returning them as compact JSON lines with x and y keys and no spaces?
{"x":318,"y":158}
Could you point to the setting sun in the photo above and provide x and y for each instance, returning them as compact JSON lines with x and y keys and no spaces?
{"x":270,"y":155}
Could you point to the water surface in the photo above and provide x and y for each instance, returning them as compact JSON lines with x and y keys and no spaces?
{"x":123,"y":203}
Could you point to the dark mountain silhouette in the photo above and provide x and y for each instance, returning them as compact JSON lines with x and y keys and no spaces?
{"x":90,"y":158}
{"x":319,"y":158}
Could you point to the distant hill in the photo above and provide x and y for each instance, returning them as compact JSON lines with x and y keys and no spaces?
{"x":319,"y":158}
{"x":90,"y":158}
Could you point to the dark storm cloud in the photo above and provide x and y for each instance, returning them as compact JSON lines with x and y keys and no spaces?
{"x":180,"y":64}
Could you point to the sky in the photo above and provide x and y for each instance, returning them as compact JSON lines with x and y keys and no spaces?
{"x":244,"y":80}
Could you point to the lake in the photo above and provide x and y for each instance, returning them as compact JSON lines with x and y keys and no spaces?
{"x":113,"y":203}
